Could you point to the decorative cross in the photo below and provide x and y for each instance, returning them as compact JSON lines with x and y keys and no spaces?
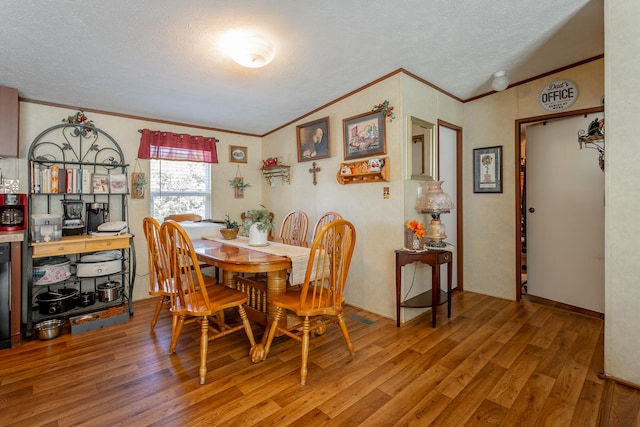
{"x":315,"y":169}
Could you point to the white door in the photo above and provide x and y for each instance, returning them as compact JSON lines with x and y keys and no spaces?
{"x":565,"y":215}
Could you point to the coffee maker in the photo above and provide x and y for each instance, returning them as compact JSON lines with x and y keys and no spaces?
{"x":13,"y":212}
{"x":72,"y":223}
{"x":97,"y":213}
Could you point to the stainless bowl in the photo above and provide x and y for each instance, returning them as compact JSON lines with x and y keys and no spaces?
{"x":49,"y":329}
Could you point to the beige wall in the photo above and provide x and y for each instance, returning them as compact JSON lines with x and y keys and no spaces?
{"x":34,"y":118}
{"x":490,"y":219}
{"x":622,"y":229}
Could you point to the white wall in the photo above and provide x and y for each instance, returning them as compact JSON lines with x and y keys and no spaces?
{"x":622,"y":193}
{"x":490,"y":219}
{"x":34,"y":118}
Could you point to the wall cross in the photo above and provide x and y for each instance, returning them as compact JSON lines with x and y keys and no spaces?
{"x":314,"y":170}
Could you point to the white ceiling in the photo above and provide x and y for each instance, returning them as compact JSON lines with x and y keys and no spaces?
{"x":159,"y":58}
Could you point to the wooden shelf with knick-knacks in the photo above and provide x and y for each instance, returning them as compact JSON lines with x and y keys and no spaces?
{"x":360,"y":171}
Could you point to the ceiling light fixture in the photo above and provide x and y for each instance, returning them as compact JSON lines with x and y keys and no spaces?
{"x":249,"y":50}
{"x":500,"y":81}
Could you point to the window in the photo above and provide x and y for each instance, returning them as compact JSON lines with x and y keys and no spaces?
{"x":180,"y":187}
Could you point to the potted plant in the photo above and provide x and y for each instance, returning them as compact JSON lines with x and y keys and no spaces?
{"x":230,"y":230}
{"x":258,"y":223}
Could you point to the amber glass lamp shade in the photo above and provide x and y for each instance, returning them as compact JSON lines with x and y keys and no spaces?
{"x":435,"y":201}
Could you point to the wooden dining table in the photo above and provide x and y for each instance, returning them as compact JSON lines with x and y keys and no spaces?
{"x":233,"y":260}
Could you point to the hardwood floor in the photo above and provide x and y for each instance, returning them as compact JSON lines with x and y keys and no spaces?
{"x":495,"y":362}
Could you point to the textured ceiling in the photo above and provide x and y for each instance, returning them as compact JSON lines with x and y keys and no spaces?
{"x":160,"y":58}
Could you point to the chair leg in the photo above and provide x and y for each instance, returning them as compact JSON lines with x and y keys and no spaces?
{"x":247,"y":325}
{"x":178,"y":320}
{"x":204,"y":345}
{"x":345,"y":333}
{"x":272,"y":332}
{"x":156,"y":313}
{"x":306,"y":326}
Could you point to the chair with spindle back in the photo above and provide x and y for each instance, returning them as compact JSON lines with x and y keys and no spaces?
{"x":295,"y":226}
{"x":193,"y":299}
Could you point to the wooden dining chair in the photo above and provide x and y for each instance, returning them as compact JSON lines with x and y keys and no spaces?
{"x":324,"y":219}
{"x":192,"y":298}
{"x":295,"y":226}
{"x":183,"y":217}
{"x":321,"y":294}
{"x":158,"y":269}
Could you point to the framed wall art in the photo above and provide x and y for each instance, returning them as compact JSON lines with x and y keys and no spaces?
{"x":313,"y":140}
{"x":487,"y":170}
{"x":237,"y":154}
{"x":364,"y":135}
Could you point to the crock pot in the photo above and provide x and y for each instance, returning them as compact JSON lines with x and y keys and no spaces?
{"x":108,"y":291}
{"x":51,"y":270}
{"x":58,"y":301}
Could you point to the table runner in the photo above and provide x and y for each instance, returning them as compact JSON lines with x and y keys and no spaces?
{"x":299,"y":255}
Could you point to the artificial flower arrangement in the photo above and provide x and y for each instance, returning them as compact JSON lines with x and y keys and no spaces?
{"x":385,"y":109}
{"x":79,"y":117}
{"x":417,"y":228}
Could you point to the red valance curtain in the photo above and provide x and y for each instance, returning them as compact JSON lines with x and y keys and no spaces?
{"x":171,"y":146}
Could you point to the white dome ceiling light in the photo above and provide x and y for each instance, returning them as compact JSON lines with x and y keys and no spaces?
{"x":500,"y":81}
{"x":247,"y":49}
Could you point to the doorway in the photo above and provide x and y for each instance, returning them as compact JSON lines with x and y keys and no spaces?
{"x":562,"y":214}
{"x":450,"y":171}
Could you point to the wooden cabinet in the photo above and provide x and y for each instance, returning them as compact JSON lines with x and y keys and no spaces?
{"x":80,"y":150}
{"x":357,"y":172}
{"x":9,"y":118}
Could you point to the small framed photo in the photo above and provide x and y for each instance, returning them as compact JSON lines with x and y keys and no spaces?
{"x":364,"y":135}
{"x":100,"y":183}
{"x":237,"y":154}
{"x":313,"y":140}
{"x":118,"y":183}
{"x":487,"y":170}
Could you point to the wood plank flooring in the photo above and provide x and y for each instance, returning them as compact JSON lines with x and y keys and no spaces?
{"x":495,"y":362}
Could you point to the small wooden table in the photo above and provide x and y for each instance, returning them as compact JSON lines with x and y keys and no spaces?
{"x":433,"y":297}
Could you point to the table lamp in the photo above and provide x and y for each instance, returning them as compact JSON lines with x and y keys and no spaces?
{"x":434,"y":201}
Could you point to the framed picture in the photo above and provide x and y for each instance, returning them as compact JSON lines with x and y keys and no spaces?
{"x":364,"y":135}
{"x":237,"y":154}
{"x":100,"y":183}
{"x":313,"y":140}
{"x":118,"y":183}
{"x":487,"y":170}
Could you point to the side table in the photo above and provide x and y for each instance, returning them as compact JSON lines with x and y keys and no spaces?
{"x":433,"y":297}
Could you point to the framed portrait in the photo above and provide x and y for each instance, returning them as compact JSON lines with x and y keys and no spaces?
{"x":237,"y":154}
{"x":487,"y":170}
{"x":313,"y":140}
{"x":364,"y":135}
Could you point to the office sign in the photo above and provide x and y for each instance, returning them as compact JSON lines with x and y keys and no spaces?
{"x":558,"y":95}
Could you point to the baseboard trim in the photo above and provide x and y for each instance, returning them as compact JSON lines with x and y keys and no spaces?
{"x":563,"y":306}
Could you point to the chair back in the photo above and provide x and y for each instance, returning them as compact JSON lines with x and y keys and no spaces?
{"x":158,"y":268}
{"x":295,"y":226}
{"x":325,"y":219}
{"x":190,"y":294}
{"x":183,"y":217}
{"x":327,"y":269}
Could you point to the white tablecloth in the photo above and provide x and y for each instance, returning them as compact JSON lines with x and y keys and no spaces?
{"x":199,"y":229}
{"x":299,"y":255}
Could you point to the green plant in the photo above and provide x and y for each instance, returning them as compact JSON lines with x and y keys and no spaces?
{"x":238,"y":183}
{"x":141,"y":180}
{"x":262,"y":217}
{"x":230,"y":224}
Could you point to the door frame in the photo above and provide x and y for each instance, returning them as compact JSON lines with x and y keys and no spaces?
{"x":459,"y":226}
{"x":519,"y":125}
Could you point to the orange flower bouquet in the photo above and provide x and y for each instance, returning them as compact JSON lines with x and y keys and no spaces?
{"x":417,"y":233}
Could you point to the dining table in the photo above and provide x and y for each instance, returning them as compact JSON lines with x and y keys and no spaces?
{"x":235,"y":260}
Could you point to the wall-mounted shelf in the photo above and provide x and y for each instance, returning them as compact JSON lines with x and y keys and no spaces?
{"x":278,"y":171}
{"x":359,"y":172}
